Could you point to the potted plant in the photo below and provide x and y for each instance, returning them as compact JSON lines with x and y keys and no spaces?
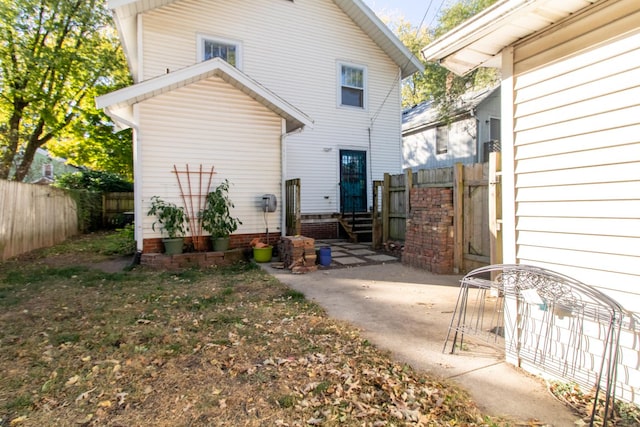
{"x":216,"y":216}
{"x":172,"y":220}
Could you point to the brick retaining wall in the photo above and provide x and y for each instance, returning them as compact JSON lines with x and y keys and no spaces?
{"x":320,"y":230}
{"x":238,"y":241}
{"x":429,"y":235}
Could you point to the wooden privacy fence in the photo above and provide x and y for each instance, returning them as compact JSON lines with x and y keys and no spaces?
{"x":114,"y":208}
{"x":450,"y":209}
{"x":34,"y":216}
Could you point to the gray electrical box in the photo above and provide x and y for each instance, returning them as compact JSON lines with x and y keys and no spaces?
{"x":269,"y":203}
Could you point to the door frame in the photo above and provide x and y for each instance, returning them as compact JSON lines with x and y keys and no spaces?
{"x":363,"y":172}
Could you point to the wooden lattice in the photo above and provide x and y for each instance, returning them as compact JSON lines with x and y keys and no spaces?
{"x":194,"y":200}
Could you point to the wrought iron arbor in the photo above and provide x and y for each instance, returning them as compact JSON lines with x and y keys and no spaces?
{"x":557,"y":324}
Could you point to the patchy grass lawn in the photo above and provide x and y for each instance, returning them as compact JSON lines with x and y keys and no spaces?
{"x":223,"y":347}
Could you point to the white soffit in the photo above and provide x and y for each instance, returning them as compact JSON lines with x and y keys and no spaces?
{"x":123,"y":98}
{"x":479,"y":41}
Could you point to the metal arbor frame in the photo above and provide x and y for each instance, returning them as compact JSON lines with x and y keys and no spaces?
{"x":546,"y":319}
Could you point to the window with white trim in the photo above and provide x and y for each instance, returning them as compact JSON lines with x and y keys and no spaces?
{"x":47,"y":170}
{"x":352,"y":83}
{"x":213,"y":47}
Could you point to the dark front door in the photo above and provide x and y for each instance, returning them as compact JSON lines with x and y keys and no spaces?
{"x":353,"y":181}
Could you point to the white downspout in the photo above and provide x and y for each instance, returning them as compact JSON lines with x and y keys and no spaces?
{"x":137,"y":172}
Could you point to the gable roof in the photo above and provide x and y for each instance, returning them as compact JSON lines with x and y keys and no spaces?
{"x":125,"y":12}
{"x":118,"y":104}
{"x":479,"y":41}
{"x":426,"y":114}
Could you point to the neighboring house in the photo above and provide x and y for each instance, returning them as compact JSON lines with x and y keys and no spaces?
{"x":46,"y":167}
{"x":570,"y":142}
{"x":471,"y":133}
{"x":264,"y":91}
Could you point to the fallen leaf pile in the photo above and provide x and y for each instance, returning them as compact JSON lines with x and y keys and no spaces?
{"x":620,"y":414}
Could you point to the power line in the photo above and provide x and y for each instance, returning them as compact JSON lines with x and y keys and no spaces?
{"x":399,"y":78}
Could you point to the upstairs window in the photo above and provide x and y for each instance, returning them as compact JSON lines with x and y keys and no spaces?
{"x":211,"y":47}
{"x":47,"y":170}
{"x":352,"y":85}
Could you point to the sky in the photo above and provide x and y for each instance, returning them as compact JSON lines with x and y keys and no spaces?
{"x":411,"y":10}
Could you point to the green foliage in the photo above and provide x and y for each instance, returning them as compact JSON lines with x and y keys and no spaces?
{"x":438,"y":84}
{"x":122,"y":242}
{"x":97,"y":181}
{"x":294,"y":295}
{"x":55,"y":56}
{"x":459,"y":12}
{"x":171,"y":218}
{"x":89,"y":209}
{"x":451,"y":87}
{"x":216,"y":216}
{"x":417,"y":88}
{"x":93,"y":141}
{"x":86,"y":188}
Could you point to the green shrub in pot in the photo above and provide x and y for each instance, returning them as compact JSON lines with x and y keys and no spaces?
{"x":172,"y":221}
{"x":216,"y":216}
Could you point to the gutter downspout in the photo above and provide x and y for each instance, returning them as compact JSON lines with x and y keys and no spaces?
{"x":137,"y":175}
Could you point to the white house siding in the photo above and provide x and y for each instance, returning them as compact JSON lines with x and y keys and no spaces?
{"x":577,"y":158}
{"x":293,"y":49}
{"x":419,"y":149}
{"x":211,"y":123}
{"x":488,"y":109}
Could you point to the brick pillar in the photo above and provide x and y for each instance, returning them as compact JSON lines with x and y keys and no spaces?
{"x":429,"y":234}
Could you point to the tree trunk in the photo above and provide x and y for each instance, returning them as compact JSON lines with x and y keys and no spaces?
{"x":13,"y":136}
{"x":34,"y":143}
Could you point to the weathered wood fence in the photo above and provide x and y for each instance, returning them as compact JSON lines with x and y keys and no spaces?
{"x":292,"y":206}
{"x":471,"y":209}
{"x":114,"y":208}
{"x":34,"y":216}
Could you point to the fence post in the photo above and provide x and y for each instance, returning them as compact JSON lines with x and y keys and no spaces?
{"x":458,"y":217}
{"x":386,"y":202}
{"x":495,"y":207}
{"x":376,"y":234}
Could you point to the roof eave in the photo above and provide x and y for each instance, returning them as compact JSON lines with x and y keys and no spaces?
{"x":359,"y":12}
{"x":369,"y":22}
{"x":122,"y":99}
{"x":479,"y":41}
{"x":483,"y":23}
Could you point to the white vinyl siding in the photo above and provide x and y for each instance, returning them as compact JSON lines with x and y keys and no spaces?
{"x":577,"y":150}
{"x":292,"y":49}
{"x":421,"y":149}
{"x":577,"y":162}
{"x":211,"y":123}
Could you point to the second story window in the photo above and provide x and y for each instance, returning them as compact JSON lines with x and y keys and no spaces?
{"x":211,"y":47}
{"x":352,"y":85}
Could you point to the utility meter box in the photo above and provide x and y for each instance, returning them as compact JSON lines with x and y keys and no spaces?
{"x":269,"y":203}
